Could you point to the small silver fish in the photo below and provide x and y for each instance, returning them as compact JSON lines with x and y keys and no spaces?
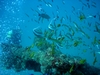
{"x":98,"y":52}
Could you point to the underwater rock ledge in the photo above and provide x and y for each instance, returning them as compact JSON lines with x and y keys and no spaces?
{"x":19,"y":58}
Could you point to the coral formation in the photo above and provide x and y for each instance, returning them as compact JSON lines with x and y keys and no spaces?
{"x":19,"y":59}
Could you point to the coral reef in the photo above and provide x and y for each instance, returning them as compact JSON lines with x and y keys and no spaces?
{"x":20,"y":58}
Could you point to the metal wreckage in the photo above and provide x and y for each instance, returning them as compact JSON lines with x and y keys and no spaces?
{"x":48,"y":59}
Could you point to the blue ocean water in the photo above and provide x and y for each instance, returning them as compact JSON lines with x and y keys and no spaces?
{"x":23,"y":15}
